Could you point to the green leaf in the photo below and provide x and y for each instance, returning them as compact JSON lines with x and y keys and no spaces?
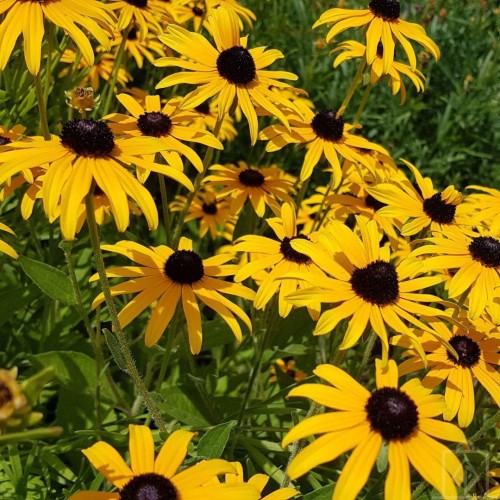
{"x":181,"y":405}
{"x":324,"y":493}
{"x":114,"y":347}
{"x":382,"y":458}
{"x":15,"y":299}
{"x":53,"y":282}
{"x":212,"y":443}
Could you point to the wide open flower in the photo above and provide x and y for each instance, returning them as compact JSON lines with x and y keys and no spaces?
{"x":402,"y":417}
{"x":149,"y":477}
{"x":164,"y":123}
{"x":384,"y":25}
{"x":421,"y":203}
{"x":262,"y":186}
{"x":231,"y":71}
{"x":325,"y":134}
{"x":476,"y":257}
{"x":365,"y":286}
{"x":279,"y":256}
{"x":28,"y":17}
{"x":87,"y":154}
{"x":478,"y":359}
{"x":167,"y":276}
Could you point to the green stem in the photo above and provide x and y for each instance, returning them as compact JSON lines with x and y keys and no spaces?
{"x":297,"y":446}
{"x":116,"y":70}
{"x":197,"y":183}
{"x":48,"y":72}
{"x":67,"y":247}
{"x":166,"y":212}
{"x":120,"y":335}
{"x":367,"y":354}
{"x":42,"y":107}
{"x":302,"y":193}
{"x":362,"y":104}
{"x":168,"y":352}
{"x":352,"y":89}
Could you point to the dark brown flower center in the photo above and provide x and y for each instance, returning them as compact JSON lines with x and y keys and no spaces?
{"x":150,"y":486}
{"x":209,"y":208}
{"x":376,"y":283}
{"x":373,"y":203}
{"x":138,"y":3}
{"x":4,"y":140}
{"x":392,"y":413}
{"x":154,"y":123}
{"x":438,"y":210}
{"x":88,"y":137}
{"x":197,"y":11}
{"x":203,"y":108}
{"x":132,"y":34}
{"x":236,"y":65}
{"x":467,"y":349}
{"x":184,"y":267}
{"x":5,"y":395}
{"x":292,"y":255}
{"x":386,"y":9}
{"x":251,"y":178}
{"x":485,"y":250}
{"x":327,"y":126}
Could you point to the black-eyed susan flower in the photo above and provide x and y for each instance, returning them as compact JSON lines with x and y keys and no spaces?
{"x":262,"y":186}
{"x":355,"y":50}
{"x":10,"y":134}
{"x":478,"y":359}
{"x":423,"y":205}
{"x":365,"y":286}
{"x":87,"y":154}
{"x":148,"y":477}
{"x":147,"y":15}
{"x":279,"y":256}
{"x":384,"y":26}
{"x":259,"y":481}
{"x":169,"y":276}
{"x":230,"y":71}
{"x":485,"y":207}
{"x":164,"y":123}
{"x":214,"y":214}
{"x":27,"y":17}
{"x":150,"y":48}
{"x":5,"y":247}
{"x":495,"y":491}
{"x":402,"y":417}
{"x":287,"y":366}
{"x":326,"y":135}
{"x":208,"y":120}
{"x":476,"y":259}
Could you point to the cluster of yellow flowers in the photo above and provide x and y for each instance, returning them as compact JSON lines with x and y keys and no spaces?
{"x":359,"y":250}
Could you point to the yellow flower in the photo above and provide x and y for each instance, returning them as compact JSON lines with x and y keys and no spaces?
{"x":278,"y":255}
{"x":384,"y":25}
{"x":166,"y":124}
{"x":87,"y":154}
{"x":365,"y":286}
{"x":476,"y":257}
{"x":5,"y":247}
{"x":262,"y":186}
{"x":160,"y":477}
{"x":148,"y":15}
{"x":168,"y":276}
{"x":231,"y":71}
{"x":478,"y":358}
{"x":214,"y":214}
{"x":356,"y":50}
{"x":401,"y":417}
{"x":422,"y":204}
{"x":149,"y":48}
{"x":486,"y":207}
{"x":286,"y":366}
{"x":28,"y":18}
{"x":325,"y":134}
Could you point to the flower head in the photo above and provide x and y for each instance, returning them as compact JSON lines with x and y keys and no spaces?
{"x":148,"y":477}
{"x":403,"y":417}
